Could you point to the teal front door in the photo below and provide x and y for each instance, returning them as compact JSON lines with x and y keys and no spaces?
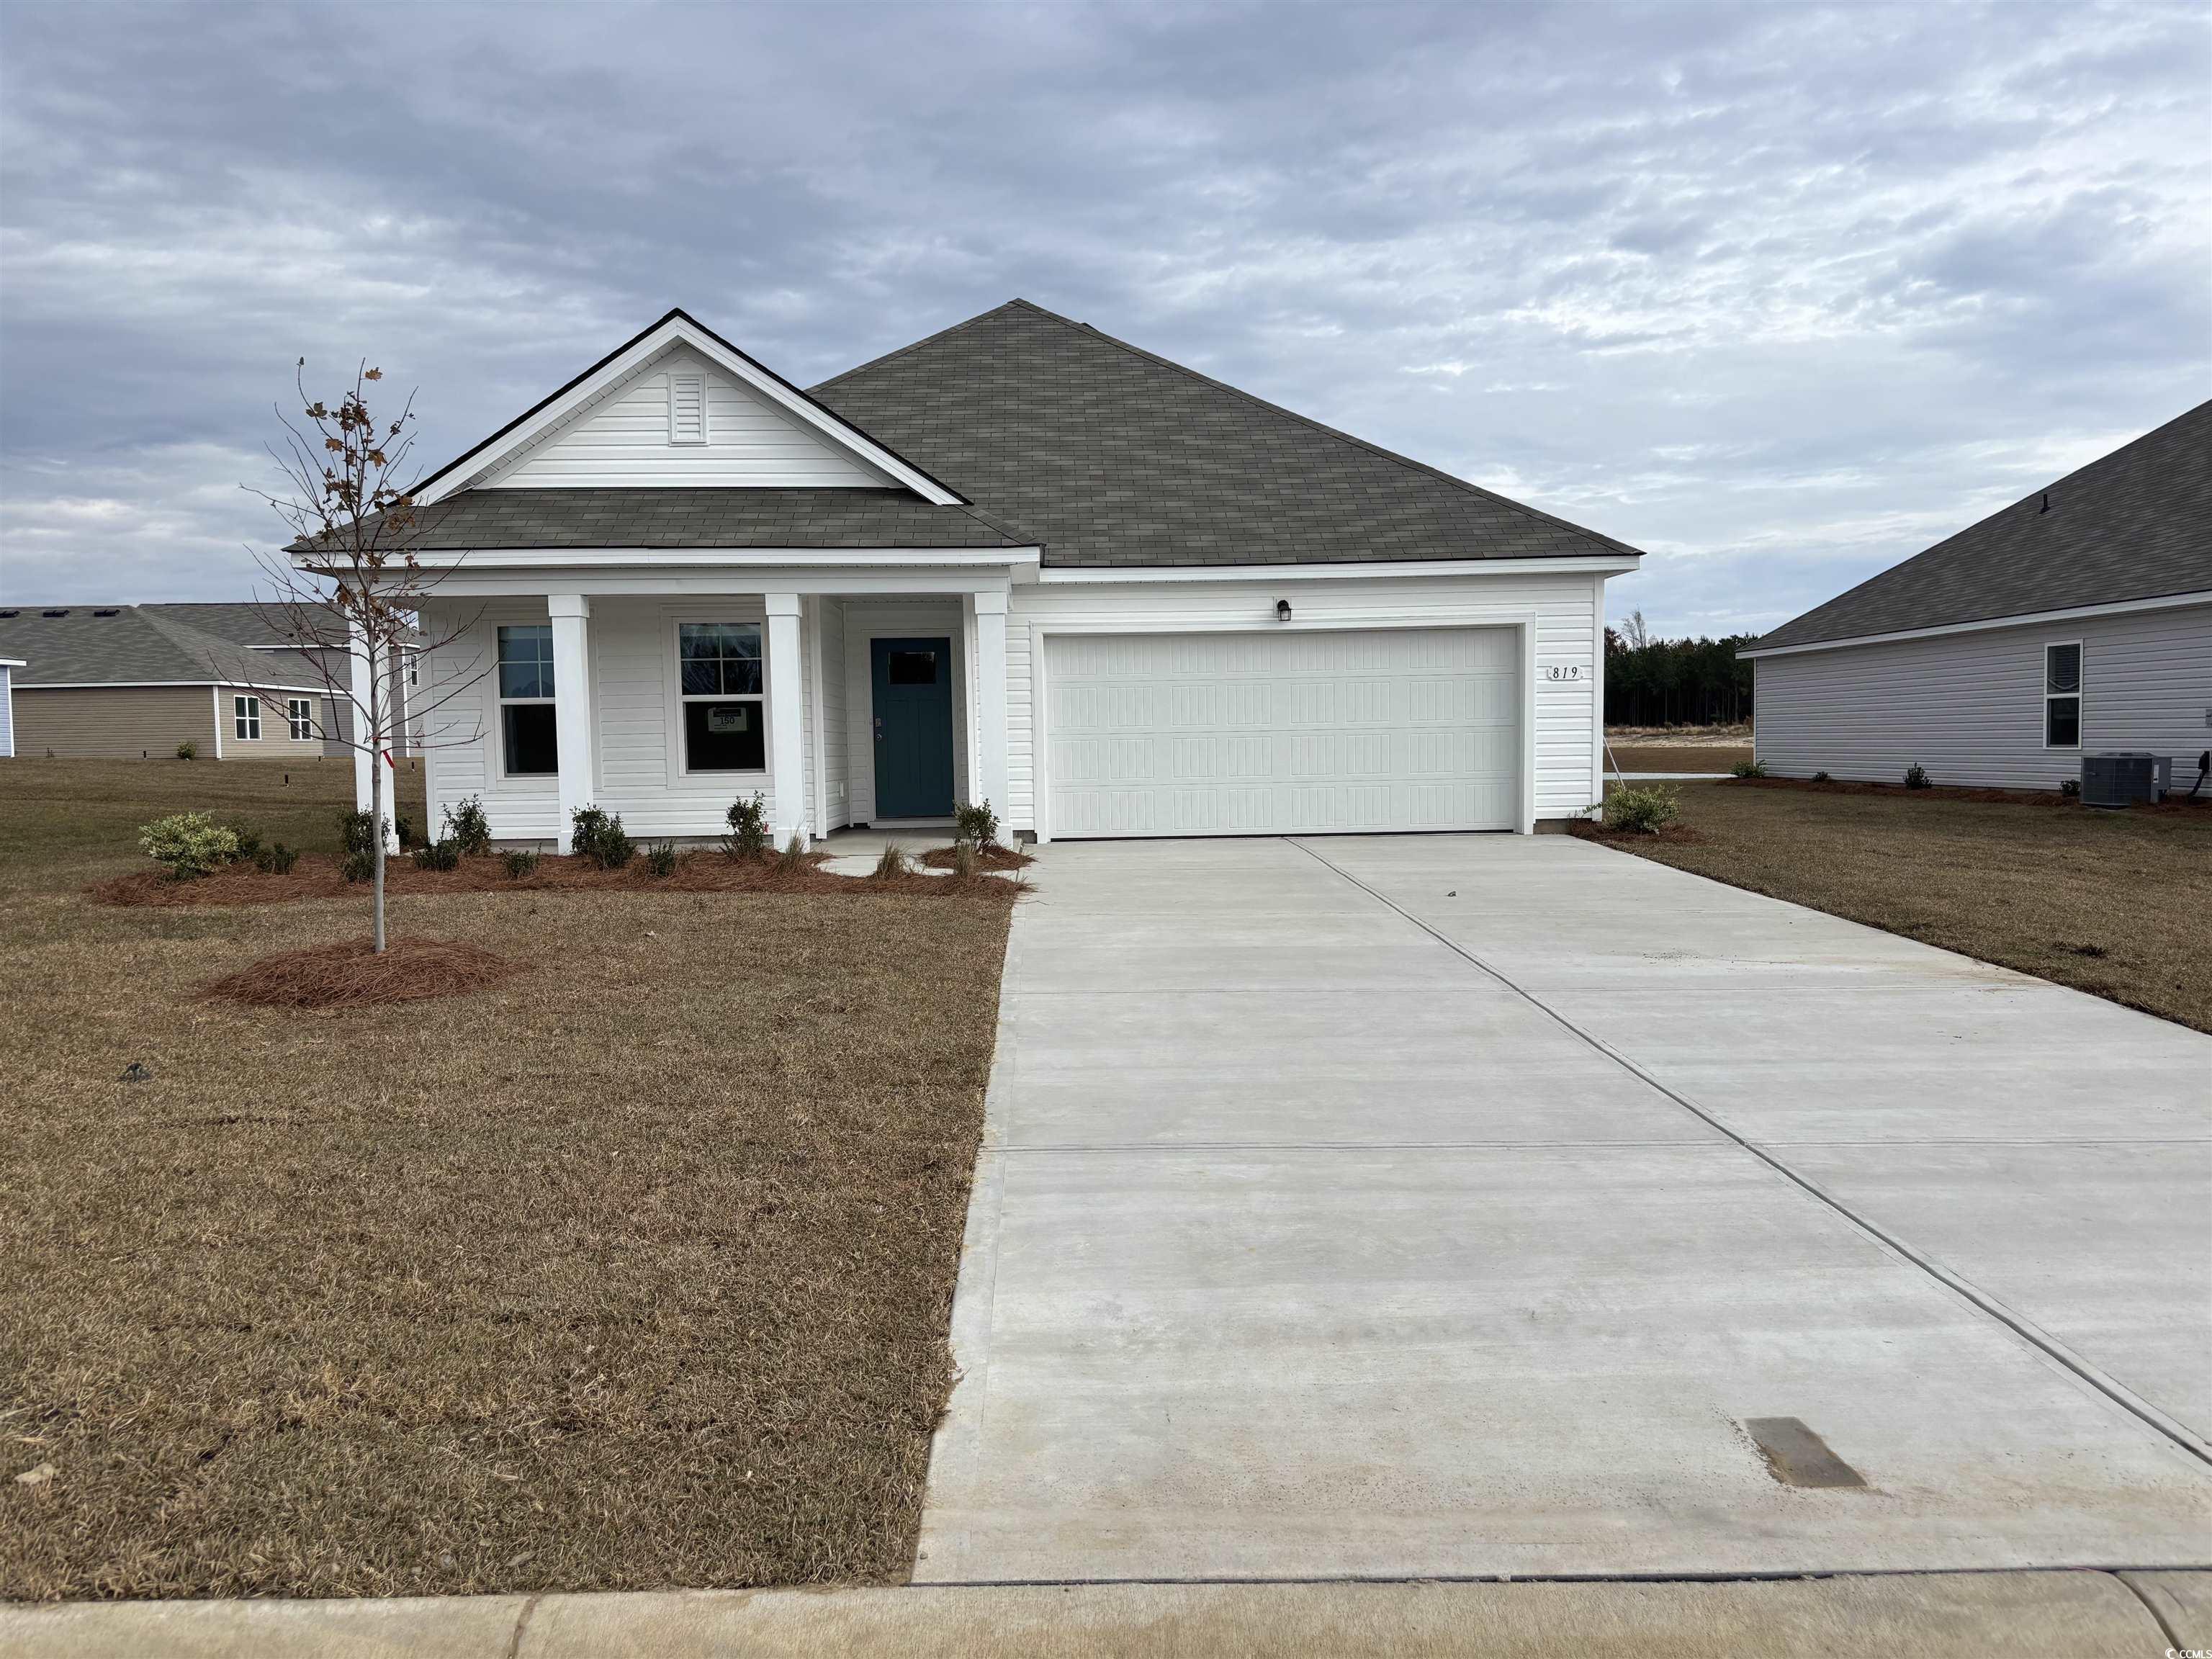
{"x":913,"y":681}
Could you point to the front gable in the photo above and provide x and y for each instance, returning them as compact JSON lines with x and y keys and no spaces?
{"x":679,"y":407}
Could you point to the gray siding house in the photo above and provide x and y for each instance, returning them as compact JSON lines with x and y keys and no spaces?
{"x":2076,"y":621}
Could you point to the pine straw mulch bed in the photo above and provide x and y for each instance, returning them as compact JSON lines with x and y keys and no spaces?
{"x":318,"y":877}
{"x":993,"y":857}
{"x":1671,"y":835}
{"x":350,"y":974}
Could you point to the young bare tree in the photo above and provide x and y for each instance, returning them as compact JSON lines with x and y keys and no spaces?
{"x":347,"y":590}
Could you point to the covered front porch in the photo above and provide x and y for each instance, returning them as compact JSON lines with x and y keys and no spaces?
{"x":841,"y":696}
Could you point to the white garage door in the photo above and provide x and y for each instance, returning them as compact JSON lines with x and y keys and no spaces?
{"x":1227,"y":734}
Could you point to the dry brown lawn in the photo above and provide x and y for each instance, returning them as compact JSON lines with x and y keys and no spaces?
{"x":2114,"y":903}
{"x":1676,"y":757}
{"x":632,"y":1270}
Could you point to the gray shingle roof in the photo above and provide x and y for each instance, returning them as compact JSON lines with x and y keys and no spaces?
{"x":479,"y":519}
{"x":247,"y":622}
{"x":1115,"y":457}
{"x":136,"y":645}
{"x":2137,"y":525}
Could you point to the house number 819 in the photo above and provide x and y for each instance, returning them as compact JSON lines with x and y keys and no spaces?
{"x":1570,"y":670}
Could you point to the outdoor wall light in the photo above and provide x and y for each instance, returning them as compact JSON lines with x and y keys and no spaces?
{"x":1282,"y":611}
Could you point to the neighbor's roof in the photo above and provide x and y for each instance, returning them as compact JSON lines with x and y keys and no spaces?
{"x":1115,"y":457}
{"x":252,"y":623}
{"x":135,"y":645}
{"x":686,"y":517}
{"x":2137,"y":525}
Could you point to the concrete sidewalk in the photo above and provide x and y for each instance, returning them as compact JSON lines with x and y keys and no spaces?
{"x":2024,"y":1615}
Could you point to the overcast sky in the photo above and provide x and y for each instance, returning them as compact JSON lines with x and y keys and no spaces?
{"x":1779,"y":295}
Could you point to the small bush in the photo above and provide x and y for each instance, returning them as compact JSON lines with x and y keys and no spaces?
{"x":1641,"y":812}
{"x":185,"y":751}
{"x":748,"y":820}
{"x":600,"y":836}
{"x":1750,"y":768}
{"x":403,"y":827}
{"x":660,"y":858}
{"x":467,"y":827}
{"x":893,"y":863}
{"x":191,"y":843}
{"x":520,"y":862}
{"x":361,"y":832}
{"x":1915,"y":777}
{"x":975,"y":826}
{"x":1822,"y":777}
{"x":277,"y":858}
{"x":793,"y":856}
{"x":964,"y":857}
{"x":443,"y":854}
{"x":249,"y":845}
{"x":2070,"y":787}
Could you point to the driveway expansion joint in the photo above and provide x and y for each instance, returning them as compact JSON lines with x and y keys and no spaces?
{"x":2042,"y":1341}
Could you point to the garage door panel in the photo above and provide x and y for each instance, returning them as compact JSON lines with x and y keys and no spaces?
{"x":1191,"y":734}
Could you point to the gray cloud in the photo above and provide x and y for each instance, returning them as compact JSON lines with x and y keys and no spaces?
{"x":1780,"y":295}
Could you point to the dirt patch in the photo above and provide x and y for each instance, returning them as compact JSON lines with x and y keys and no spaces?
{"x":1934,"y":791}
{"x":352,"y":975}
{"x":318,"y":877}
{"x":991,"y":858}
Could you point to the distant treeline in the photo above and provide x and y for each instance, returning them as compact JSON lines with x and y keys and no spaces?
{"x":1652,"y":682}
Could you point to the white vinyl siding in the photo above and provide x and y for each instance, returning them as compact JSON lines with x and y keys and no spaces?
{"x":628,"y":438}
{"x":1251,"y":732}
{"x":1565,"y":609}
{"x":7,"y":714}
{"x":1970,"y":706}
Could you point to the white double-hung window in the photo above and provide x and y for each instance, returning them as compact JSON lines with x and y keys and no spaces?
{"x":529,"y":743}
{"x":718,"y":685}
{"x":245,"y":719}
{"x":2062,"y":696}
{"x":299,"y":715}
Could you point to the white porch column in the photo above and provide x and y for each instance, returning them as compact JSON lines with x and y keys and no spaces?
{"x":570,"y":614}
{"x":361,"y":678}
{"x":787,"y":716}
{"x":990,"y":611}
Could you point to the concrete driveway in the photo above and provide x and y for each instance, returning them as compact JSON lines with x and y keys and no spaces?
{"x":1447,"y":1205}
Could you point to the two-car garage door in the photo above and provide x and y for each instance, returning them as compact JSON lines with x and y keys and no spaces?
{"x":1281,"y":732}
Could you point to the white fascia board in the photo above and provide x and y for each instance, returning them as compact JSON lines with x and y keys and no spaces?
{"x":2024,"y":619}
{"x":875,"y":582}
{"x":472,"y":466}
{"x":11,"y":662}
{"x":1607,"y":564}
{"x":585,"y":558}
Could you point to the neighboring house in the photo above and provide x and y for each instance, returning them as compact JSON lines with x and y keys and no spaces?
{"x":1017,"y":562}
{"x":7,"y":666}
{"x":263,"y":628}
{"x":2076,"y":621}
{"x":126,"y":681}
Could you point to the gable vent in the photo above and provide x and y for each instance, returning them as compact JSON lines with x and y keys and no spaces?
{"x":687,"y":409}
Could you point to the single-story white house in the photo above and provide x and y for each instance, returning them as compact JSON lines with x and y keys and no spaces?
{"x":1019,"y":562}
{"x":2078,"y":620}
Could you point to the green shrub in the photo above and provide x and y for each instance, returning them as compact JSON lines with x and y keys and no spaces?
{"x":1822,"y":777}
{"x":748,"y":820}
{"x":403,"y":828}
{"x":598,"y":835}
{"x":520,"y":862}
{"x":1915,"y":777}
{"x":660,"y":859}
{"x":977,"y":825}
{"x":277,"y":858}
{"x":1642,"y":811}
{"x":249,"y":845}
{"x":2070,"y":787}
{"x":467,"y":827}
{"x":1750,"y":768}
{"x":191,"y":843}
{"x":443,"y":854}
{"x":185,"y":751}
{"x":360,"y":831}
